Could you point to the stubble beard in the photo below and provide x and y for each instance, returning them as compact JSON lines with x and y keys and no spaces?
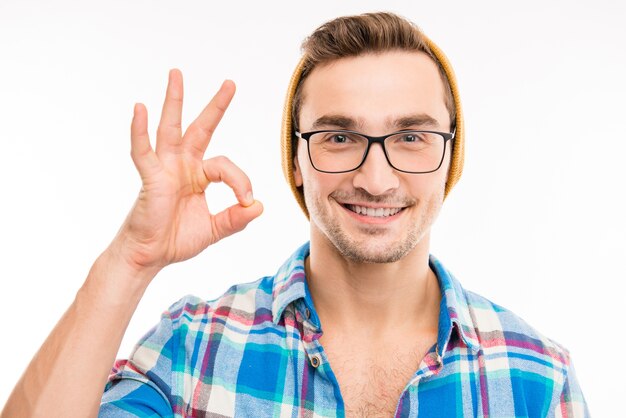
{"x":369,"y":249}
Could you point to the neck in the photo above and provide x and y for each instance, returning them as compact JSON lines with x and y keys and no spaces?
{"x":372,"y":297}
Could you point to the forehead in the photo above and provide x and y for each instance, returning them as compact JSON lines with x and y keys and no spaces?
{"x":374,"y":90}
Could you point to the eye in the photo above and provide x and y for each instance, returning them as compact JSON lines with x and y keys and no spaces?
{"x":338,"y":138}
{"x":335,"y":139}
{"x":412,"y":137}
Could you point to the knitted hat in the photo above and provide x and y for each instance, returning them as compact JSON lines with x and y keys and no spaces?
{"x":286,"y":134}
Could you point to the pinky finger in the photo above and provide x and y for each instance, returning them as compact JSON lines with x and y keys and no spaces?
{"x":141,"y":151}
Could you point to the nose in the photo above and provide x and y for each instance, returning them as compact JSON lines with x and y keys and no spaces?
{"x":375,"y":175}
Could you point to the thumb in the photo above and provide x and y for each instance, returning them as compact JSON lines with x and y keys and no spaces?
{"x":235,"y":218}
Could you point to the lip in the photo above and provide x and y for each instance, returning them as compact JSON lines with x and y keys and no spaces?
{"x":370,"y":205}
{"x":371,"y":220}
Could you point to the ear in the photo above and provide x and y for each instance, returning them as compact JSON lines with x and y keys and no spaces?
{"x":297,"y":174}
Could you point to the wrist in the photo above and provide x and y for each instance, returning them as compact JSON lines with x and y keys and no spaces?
{"x":132,"y":259}
{"x":115,"y":280}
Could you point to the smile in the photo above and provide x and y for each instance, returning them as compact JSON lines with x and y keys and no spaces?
{"x":373,"y":212}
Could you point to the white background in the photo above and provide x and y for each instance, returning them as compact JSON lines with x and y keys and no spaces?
{"x":536,"y":224}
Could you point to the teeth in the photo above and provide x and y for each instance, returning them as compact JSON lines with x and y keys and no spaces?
{"x":377,"y":213}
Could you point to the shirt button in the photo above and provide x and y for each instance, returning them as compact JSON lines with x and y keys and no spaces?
{"x":315,"y":361}
{"x":307,"y":313}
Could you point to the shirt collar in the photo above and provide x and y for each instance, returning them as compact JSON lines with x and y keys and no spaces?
{"x":454,"y":313}
{"x":290,"y":285}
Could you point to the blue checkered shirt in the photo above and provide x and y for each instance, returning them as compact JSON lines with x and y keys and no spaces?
{"x":255,"y":352}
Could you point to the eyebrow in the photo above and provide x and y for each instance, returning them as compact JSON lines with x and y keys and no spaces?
{"x":418,"y":120}
{"x":336,"y":121}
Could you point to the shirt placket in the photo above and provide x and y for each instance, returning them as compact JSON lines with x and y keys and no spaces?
{"x":317,"y":357}
{"x":431,"y":365}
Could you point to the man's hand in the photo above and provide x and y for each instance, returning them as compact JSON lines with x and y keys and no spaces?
{"x":170,"y":220}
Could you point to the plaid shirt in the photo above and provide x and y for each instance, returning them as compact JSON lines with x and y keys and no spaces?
{"x":254,"y":352}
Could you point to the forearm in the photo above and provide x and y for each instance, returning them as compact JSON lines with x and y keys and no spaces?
{"x":67,"y":375}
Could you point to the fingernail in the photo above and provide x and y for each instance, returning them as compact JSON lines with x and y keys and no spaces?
{"x":249,"y":199}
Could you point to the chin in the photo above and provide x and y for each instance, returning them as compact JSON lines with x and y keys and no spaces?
{"x":370,"y":245}
{"x":371,"y":253}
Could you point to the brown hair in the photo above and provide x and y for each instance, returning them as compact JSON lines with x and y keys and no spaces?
{"x":351,"y":36}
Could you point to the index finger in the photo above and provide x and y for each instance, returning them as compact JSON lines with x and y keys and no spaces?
{"x":221,"y":169}
{"x":199,"y":133}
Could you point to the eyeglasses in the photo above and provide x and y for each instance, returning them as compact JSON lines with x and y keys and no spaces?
{"x":340,"y":151}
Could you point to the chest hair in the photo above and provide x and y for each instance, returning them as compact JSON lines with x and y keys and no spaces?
{"x":371,"y":383}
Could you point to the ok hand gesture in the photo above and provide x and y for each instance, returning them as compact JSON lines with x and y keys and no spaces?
{"x":170,"y":220}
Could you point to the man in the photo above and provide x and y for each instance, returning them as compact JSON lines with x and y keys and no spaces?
{"x":361,"y":321}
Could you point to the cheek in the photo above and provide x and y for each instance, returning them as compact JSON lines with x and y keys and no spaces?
{"x":320,"y":186}
{"x":440,"y":177}
{"x":425,"y":186}
{"x":312,"y":181}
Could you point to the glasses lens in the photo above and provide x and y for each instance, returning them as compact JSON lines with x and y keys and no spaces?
{"x":336,"y":151}
{"x":415,"y":151}
{"x":411,"y":151}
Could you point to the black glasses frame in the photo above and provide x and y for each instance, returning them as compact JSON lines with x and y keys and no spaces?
{"x":447,"y":136}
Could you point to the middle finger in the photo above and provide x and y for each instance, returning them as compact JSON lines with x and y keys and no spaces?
{"x":169,"y":133}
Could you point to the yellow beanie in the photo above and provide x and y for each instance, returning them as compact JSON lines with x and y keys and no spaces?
{"x":286,"y":134}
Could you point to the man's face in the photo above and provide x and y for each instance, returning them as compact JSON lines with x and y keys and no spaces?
{"x":374,"y":94}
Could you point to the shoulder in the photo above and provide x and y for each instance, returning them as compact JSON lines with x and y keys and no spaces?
{"x":513,"y":359}
{"x":520,"y":361}
{"x":244,"y":302}
{"x":499,"y":330}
